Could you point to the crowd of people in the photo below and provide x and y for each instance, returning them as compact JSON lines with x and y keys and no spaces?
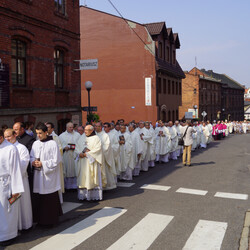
{"x":36,"y":169}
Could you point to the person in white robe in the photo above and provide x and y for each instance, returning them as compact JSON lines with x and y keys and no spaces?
{"x":151,"y":144}
{"x":11,"y":184}
{"x":244,"y":127}
{"x":177,"y":126}
{"x":163,"y":143}
{"x":45,"y":157}
{"x":137,"y":150}
{"x":174,"y":141}
{"x":204,"y":135}
{"x":114,"y":140}
{"x":25,"y":216}
{"x":210,"y":130}
{"x":90,"y":173}
{"x":146,"y":137}
{"x":108,"y":158}
{"x":199,"y":131}
{"x":194,"y":135}
{"x":126,"y":149}
{"x":55,"y":137}
{"x":69,"y":139}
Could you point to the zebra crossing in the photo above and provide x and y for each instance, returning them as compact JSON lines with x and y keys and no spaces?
{"x":206,"y":234}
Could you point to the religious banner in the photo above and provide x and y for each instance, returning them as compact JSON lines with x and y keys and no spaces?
{"x":148,"y":101}
{"x":4,"y":86}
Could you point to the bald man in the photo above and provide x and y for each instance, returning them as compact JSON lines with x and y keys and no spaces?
{"x":90,"y":171}
{"x":69,"y":139}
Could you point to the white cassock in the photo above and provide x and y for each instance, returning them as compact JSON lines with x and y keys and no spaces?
{"x":59,"y":144}
{"x":136,"y":153}
{"x":11,"y":182}
{"x":90,"y":174}
{"x":194,"y":135}
{"x":230,"y":127}
{"x":25,"y":216}
{"x":174,"y":142}
{"x":179,"y":148}
{"x":125,"y":156}
{"x":113,"y":137}
{"x":163,"y":144}
{"x":210,"y":130}
{"x":108,"y":161}
{"x":199,"y":131}
{"x":204,"y":136}
{"x":151,"y":144}
{"x":244,"y":127}
{"x":146,"y":137}
{"x":68,"y":158}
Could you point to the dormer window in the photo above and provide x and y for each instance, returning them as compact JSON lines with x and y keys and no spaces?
{"x":167,"y":54}
{"x":174,"y":57}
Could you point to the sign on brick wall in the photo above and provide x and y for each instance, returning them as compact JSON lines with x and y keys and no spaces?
{"x":148,"y":101}
{"x":4,"y":86}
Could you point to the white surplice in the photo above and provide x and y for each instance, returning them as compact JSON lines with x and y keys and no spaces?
{"x":25,"y":218}
{"x":11,"y":182}
{"x":47,"y":180}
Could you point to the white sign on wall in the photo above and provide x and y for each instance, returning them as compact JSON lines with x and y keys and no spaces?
{"x":88,"y":64}
{"x":148,"y":99}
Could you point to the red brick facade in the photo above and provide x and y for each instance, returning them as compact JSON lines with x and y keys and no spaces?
{"x":216,"y":94}
{"x":124,"y":63}
{"x":42,"y":29}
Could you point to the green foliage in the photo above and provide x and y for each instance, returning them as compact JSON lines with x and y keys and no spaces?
{"x":92,"y":117}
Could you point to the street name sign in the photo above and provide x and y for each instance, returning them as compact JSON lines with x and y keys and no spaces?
{"x":92,"y":109}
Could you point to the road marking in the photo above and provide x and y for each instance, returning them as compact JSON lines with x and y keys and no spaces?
{"x":231,"y":196}
{"x":191,"y":191}
{"x":68,"y":206}
{"x":125,"y":184}
{"x":81,"y":231}
{"x":207,"y":235}
{"x":143,"y":234}
{"x":155,"y":187}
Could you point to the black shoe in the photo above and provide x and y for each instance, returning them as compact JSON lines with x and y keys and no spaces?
{"x":189,"y":165}
{"x":184,"y":164}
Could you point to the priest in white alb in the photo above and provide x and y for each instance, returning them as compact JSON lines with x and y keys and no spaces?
{"x":11,"y":185}
{"x":174,"y":141}
{"x":25,"y":216}
{"x":69,"y":139}
{"x":125,"y":154}
{"x":108,"y":158}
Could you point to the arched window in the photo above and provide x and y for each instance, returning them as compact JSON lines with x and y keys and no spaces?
{"x":18,"y":62}
{"x":58,"y":68}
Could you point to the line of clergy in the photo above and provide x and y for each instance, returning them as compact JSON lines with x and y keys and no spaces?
{"x":35,"y":172}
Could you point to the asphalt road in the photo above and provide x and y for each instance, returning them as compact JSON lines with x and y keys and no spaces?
{"x":166,"y":219}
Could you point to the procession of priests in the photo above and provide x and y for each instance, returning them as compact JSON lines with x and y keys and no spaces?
{"x":36,"y":170}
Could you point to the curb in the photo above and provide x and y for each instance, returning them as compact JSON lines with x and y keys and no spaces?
{"x":244,"y":239}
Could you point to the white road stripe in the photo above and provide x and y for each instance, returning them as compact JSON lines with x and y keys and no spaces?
{"x":143,"y":234}
{"x":68,"y":206}
{"x":125,"y":184}
{"x":155,"y":187}
{"x":191,"y":191}
{"x":232,"y":196}
{"x":207,"y":235}
{"x":75,"y":235}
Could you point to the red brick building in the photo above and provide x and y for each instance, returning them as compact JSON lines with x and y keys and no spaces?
{"x":138,"y":76}
{"x":39,"y":41}
{"x":217,"y":94}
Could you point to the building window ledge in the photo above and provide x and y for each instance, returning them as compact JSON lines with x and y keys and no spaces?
{"x":62,"y":90}
{"x":61,"y":15}
{"x":21,"y":89}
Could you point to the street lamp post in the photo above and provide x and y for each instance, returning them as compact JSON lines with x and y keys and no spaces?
{"x":88,"y":86}
{"x":195,"y":108}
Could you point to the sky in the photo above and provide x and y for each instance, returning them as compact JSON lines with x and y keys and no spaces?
{"x":215,"y":32}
